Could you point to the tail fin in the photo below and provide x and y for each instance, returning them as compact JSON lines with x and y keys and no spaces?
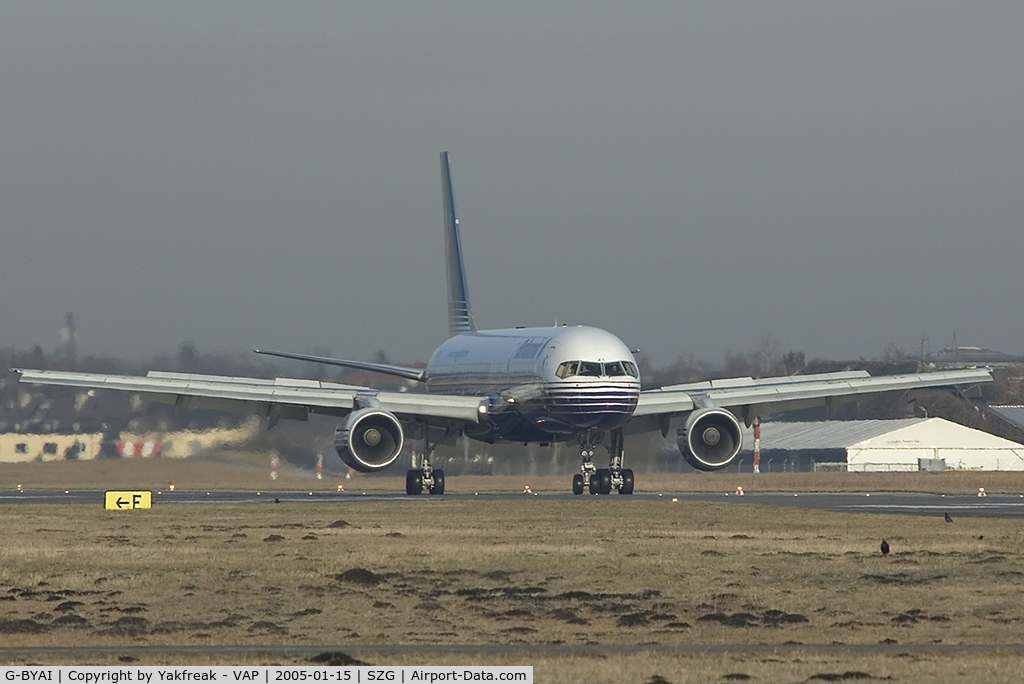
{"x":460,"y":314}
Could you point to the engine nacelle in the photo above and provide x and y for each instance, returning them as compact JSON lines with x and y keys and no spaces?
{"x":369,"y":440}
{"x":710,"y":438}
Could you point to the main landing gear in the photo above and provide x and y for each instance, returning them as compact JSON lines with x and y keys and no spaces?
{"x":426,"y":478}
{"x":602,"y":480}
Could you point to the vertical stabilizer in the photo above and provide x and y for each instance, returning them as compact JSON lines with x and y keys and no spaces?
{"x":460,"y":315}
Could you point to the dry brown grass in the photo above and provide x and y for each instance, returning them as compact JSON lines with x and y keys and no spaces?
{"x":496,"y":572}
{"x":643,"y":668}
{"x":532,"y":571}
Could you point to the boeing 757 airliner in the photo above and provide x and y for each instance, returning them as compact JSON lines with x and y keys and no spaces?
{"x":544,"y":385}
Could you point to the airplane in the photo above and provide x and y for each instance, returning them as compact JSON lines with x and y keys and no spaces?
{"x":528,"y":385}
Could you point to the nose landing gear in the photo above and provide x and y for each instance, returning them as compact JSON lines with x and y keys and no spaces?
{"x":602,"y":480}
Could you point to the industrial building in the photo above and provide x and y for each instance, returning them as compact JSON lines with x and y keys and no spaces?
{"x":26,"y":448}
{"x":878,"y":446}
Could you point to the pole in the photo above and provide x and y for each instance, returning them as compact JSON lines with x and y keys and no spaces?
{"x":757,"y":444}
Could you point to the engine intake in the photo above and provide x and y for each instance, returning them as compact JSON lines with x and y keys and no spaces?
{"x":710,"y":439}
{"x":369,"y":440}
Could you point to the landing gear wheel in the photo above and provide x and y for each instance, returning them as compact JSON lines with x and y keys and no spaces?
{"x":413,"y":482}
{"x":627,"y":482}
{"x":604,"y":481}
{"x":595,"y":484}
{"x":577,"y":484}
{"x":438,"y":487}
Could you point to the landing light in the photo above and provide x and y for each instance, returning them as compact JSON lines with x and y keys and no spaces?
{"x":482,"y":409}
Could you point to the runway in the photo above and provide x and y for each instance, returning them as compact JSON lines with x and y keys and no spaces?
{"x":991,"y":506}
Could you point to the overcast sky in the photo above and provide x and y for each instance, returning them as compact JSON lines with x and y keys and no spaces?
{"x":692,"y":177}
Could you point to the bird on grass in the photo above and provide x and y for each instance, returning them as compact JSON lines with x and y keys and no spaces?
{"x":885,"y":547}
{"x":948,"y":519}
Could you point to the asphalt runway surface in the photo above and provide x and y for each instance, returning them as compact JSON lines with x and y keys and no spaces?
{"x":991,"y":506}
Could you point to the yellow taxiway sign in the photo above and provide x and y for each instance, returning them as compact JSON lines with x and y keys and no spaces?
{"x":126,"y":501}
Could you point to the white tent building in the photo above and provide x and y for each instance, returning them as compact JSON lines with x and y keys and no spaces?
{"x":935,"y":438}
{"x":881,"y":445}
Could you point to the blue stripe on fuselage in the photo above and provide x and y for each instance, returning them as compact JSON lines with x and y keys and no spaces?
{"x":601,"y":404}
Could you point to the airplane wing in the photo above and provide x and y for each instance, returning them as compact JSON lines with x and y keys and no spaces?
{"x":278,"y":398}
{"x":747,"y":397}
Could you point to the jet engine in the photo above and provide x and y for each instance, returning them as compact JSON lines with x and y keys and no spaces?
{"x":369,"y":440}
{"x":710,"y":438}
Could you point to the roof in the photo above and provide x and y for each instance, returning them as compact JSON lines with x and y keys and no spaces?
{"x":911,"y":433}
{"x":831,"y":434}
{"x":1014,"y":415}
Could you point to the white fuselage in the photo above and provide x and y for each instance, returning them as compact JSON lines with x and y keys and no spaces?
{"x":545,"y":384}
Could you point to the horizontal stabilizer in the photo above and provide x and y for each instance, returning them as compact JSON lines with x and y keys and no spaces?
{"x":418,"y":374}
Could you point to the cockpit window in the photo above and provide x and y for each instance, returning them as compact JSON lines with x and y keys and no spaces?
{"x":595,"y":369}
{"x":567,"y":369}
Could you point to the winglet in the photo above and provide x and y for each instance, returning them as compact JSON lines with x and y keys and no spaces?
{"x":460,"y":314}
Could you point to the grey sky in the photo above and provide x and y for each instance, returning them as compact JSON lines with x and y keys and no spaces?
{"x":691,"y":177}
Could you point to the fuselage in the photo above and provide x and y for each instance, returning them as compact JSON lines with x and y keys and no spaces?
{"x":545,"y":384}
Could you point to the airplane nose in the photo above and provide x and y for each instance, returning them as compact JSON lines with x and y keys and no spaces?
{"x":597,"y":406}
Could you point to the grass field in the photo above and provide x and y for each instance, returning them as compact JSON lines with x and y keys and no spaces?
{"x":593,"y":570}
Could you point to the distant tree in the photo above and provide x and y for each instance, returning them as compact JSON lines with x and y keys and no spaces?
{"x":649,"y":377}
{"x":893,"y":352}
{"x":740,"y":364}
{"x":764,"y":362}
{"x":686,"y":368}
{"x":187,"y":357}
{"x":768,"y":356}
{"x":793,"y":362}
